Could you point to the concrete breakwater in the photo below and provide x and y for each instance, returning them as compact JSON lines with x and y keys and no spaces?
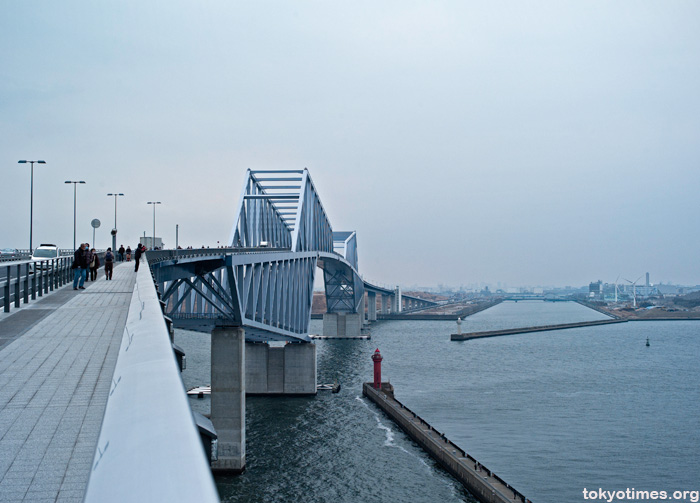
{"x":430,"y":314}
{"x":477,"y":308}
{"x":481,"y":482}
{"x":590,"y":305}
{"x":524,"y":330}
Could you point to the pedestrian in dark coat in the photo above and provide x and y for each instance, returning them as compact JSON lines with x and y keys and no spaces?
{"x":88,"y":258}
{"x":94,"y":264}
{"x":139,"y":250}
{"x":79,"y":267}
{"x":109,"y":263}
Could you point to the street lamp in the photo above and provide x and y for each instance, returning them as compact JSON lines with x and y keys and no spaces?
{"x":31,"y":201}
{"x":114,"y":231}
{"x":153,"y":243}
{"x":75,"y":184}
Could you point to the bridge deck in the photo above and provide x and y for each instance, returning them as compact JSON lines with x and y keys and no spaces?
{"x":57,"y":357}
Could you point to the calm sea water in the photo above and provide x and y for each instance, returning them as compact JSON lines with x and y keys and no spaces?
{"x":552,"y":413}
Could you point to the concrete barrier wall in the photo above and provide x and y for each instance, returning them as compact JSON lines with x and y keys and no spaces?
{"x":149,"y":447}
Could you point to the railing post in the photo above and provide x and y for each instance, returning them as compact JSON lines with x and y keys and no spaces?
{"x":6,"y":297}
{"x":50,"y":264}
{"x":33,"y":282}
{"x":47,"y":278}
{"x":26,"y":283}
{"x":40,"y":280}
{"x":18,"y":285}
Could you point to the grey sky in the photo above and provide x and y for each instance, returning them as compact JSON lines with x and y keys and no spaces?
{"x":547,"y":143}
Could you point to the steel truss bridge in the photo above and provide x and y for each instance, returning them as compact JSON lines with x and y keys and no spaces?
{"x":264,"y":280}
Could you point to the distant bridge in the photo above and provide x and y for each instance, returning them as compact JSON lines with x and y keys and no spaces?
{"x":533,"y":296}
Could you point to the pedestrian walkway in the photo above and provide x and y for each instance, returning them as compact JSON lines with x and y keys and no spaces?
{"x":57,"y":357}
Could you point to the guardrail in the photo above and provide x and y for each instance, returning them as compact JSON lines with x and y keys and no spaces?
{"x":25,"y":254}
{"x":25,"y":279}
{"x":14,"y":257}
{"x":155,"y":256}
{"x":22,"y":280}
{"x":149,"y":448}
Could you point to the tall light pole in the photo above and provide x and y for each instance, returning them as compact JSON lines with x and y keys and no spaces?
{"x":75,"y":185}
{"x":31,"y":201}
{"x":153,"y":243}
{"x":114,"y":231}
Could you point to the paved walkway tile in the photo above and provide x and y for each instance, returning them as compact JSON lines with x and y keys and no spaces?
{"x":55,"y":378}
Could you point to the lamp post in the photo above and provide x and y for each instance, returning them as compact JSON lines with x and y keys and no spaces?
{"x":75,"y":185}
{"x":31,"y":201}
{"x":114,"y":231}
{"x":153,"y":243}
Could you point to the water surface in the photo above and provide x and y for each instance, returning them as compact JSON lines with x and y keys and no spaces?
{"x":550,"y":412}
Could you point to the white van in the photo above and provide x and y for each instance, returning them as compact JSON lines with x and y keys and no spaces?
{"x":44,"y":252}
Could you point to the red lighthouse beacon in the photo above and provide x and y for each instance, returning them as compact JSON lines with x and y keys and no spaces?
{"x":377,"y":359}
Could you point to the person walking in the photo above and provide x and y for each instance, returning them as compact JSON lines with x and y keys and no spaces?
{"x":109,"y":263}
{"x":128,"y":253}
{"x":88,"y":254}
{"x":139,"y":250}
{"x":79,"y":267}
{"x":94,"y":264}
{"x":121,"y":253}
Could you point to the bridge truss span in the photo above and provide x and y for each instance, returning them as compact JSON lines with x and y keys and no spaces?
{"x":281,"y":209}
{"x":264,"y":280}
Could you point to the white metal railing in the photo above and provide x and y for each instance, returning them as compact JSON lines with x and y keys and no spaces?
{"x":149,"y":448}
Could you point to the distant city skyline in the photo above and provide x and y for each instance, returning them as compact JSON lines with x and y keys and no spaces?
{"x":549,"y":143}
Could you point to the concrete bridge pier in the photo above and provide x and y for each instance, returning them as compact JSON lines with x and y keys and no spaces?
{"x":228,"y":397}
{"x":275,"y":370}
{"x":397,"y":301}
{"x":385,"y":304}
{"x":371,"y":306}
{"x":342,"y":324}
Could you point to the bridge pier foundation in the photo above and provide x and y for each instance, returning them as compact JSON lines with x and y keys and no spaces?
{"x":287,"y":370}
{"x":228,"y":397}
{"x":342,"y":324}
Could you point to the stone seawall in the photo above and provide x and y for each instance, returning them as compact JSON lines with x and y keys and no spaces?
{"x":481,"y":482}
{"x":525,"y":330}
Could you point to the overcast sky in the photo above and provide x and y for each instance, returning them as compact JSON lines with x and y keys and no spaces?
{"x":531,"y":143}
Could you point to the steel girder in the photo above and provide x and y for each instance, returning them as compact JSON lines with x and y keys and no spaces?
{"x":344,"y":287}
{"x":269,"y":293}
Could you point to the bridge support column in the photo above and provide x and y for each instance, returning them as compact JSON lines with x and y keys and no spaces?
{"x":288,"y":370}
{"x":372,"y":306}
{"x":385,"y":304}
{"x":397,"y":301}
{"x":228,"y":397}
{"x":342,"y":324}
